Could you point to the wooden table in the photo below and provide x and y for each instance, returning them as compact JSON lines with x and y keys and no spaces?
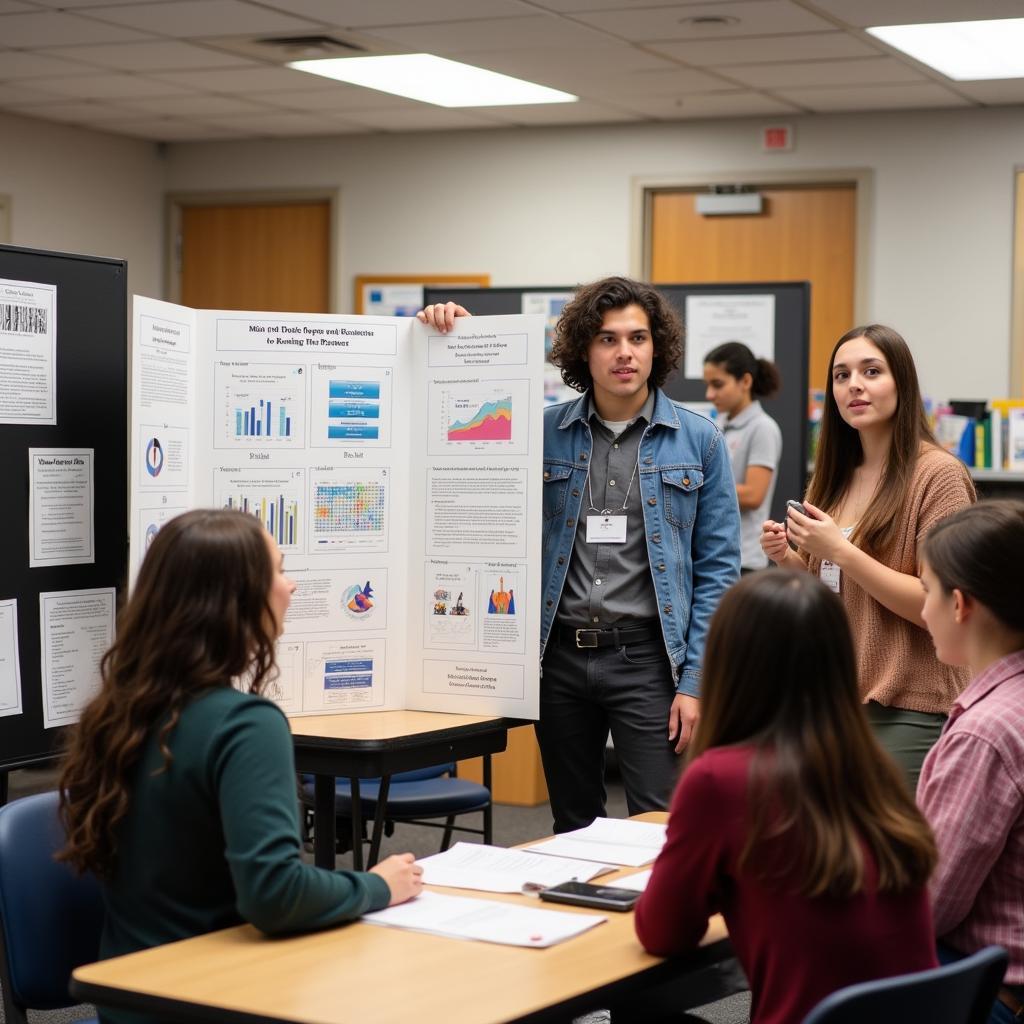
{"x":380,"y":743}
{"x":367,"y":974}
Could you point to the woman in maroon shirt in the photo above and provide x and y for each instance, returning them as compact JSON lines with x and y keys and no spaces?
{"x":789,"y":819}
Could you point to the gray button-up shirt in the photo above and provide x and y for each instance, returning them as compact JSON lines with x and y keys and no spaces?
{"x":610,"y":584}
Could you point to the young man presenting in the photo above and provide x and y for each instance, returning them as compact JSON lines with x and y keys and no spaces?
{"x":641,"y":537}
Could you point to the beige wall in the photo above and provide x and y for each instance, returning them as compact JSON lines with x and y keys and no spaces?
{"x":553,"y":205}
{"x":84,"y":191}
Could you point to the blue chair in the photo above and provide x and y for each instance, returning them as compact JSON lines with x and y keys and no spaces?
{"x":50,"y":918}
{"x":957,"y":993}
{"x":411,"y":797}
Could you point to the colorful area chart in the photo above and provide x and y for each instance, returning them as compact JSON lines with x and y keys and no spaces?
{"x":491,"y":422}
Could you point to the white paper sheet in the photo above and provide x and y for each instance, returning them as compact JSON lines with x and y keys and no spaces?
{"x":610,"y":841}
{"x":28,"y":352}
{"x":494,"y":869}
{"x":637,"y":882}
{"x":509,"y":924}
{"x":712,"y":320}
{"x":399,"y":471}
{"x":10,"y":666}
{"x":61,"y":523}
{"x":76,"y":627}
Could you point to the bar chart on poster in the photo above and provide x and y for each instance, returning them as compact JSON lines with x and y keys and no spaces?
{"x":398,"y":472}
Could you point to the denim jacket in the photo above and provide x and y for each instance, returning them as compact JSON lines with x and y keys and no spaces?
{"x":691,"y":517}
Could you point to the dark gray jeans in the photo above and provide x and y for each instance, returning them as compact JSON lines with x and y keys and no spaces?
{"x":583,"y":695}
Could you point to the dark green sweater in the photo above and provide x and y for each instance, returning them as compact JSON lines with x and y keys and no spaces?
{"x":214,"y":840}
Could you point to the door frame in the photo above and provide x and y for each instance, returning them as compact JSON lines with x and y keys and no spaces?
{"x":5,"y":218}
{"x":1016,"y":368}
{"x":174,"y":202}
{"x":862,"y":178}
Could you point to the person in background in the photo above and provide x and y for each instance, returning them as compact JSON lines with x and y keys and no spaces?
{"x":880,"y":484}
{"x":640,"y":539}
{"x":972,"y":783}
{"x":788,"y":819}
{"x":178,"y":789}
{"x":735,"y":380}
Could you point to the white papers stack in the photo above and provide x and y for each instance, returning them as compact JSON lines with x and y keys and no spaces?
{"x":637,"y":882}
{"x":485,"y":920}
{"x":493,"y":869}
{"x":609,"y":841}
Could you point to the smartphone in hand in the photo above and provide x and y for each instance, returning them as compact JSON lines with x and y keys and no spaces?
{"x":799,"y":507}
{"x":583,"y":894}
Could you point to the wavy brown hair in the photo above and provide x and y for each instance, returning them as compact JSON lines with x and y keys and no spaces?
{"x":840,"y":452}
{"x":780,"y":675}
{"x":581,"y":319}
{"x":198,"y":618}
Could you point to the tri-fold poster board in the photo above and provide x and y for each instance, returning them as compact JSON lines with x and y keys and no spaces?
{"x":399,"y":471}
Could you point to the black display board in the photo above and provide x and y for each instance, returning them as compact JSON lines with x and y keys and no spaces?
{"x":91,"y":380}
{"x":792,"y":352}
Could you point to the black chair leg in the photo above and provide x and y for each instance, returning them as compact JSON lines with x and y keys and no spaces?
{"x":446,"y":839}
{"x":489,"y":809}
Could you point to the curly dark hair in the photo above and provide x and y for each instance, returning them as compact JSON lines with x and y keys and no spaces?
{"x":582,"y":318}
{"x":199,"y":617}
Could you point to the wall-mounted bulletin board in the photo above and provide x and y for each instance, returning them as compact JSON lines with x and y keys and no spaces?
{"x":402,"y":294}
{"x":63,"y":461}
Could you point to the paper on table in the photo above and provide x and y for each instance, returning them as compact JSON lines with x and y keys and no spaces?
{"x":494,"y":869}
{"x":460,"y":917}
{"x":610,"y":841}
{"x":637,"y":882}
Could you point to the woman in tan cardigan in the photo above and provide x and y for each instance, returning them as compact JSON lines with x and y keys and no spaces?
{"x":880,"y":483}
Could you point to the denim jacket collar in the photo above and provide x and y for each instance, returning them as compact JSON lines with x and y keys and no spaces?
{"x":665,"y":414}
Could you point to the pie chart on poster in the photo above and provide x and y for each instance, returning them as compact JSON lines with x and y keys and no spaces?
{"x":154,"y":456}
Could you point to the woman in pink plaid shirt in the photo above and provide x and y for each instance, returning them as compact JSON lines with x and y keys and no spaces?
{"x":972,"y":784}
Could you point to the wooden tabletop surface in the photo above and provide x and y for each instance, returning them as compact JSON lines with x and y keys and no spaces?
{"x":378,"y":975}
{"x":381,"y":725}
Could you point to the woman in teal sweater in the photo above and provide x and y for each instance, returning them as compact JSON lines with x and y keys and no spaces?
{"x":179,"y":790}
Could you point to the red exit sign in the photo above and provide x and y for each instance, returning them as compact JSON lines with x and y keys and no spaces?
{"x":777,"y":138}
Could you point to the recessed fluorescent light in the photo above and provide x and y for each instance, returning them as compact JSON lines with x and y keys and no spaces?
{"x":962,"y":50}
{"x":422,"y":76}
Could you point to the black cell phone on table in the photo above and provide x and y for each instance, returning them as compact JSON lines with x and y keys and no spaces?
{"x":583,"y":894}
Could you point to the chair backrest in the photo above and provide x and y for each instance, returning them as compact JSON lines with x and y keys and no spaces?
{"x":50,"y":918}
{"x":957,"y":993}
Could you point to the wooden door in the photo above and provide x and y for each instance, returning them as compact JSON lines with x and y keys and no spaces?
{"x":272,"y":256}
{"x":806,"y":233}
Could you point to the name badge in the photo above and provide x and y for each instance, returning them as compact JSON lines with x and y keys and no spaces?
{"x":606,"y":529}
{"x":829,"y":574}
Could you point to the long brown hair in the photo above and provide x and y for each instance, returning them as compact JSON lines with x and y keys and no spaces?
{"x":980,"y":552}
{"x":840,"y":452}
{"x":582,"y":318}
{"x":198,"y":618}
{"x":780,"y":675}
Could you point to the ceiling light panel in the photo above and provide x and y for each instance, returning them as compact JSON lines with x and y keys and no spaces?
{"x":966,"y":51}
{"x":430,"y":79}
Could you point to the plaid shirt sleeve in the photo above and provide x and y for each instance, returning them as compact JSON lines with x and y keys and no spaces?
{"x":971,"y":803}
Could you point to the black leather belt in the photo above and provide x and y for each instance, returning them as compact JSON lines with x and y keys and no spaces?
{"x":587,"y":638}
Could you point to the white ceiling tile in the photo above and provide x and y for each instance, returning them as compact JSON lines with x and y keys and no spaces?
{"x":159,"y":55}
{"x":753,"y":18}
{"x":427,"y":118}
{"x":503,"y":33}
{"x":258,"y":78}
{"x":765,"y":49}
{"x":279,"y":123}
{"x":57,"y":28}
{"x":874,"y":97}
{"x":112,"y":87}
{"x":23,"y":64}
{"x":576,"y":6}
{"x":84,"y":4}
{"x":184,"y":18}
{"x":908,"y":12}
{"x":192,"y":106}
{"x":171,"y":130}
{"x":608,"y":57}
{"x":14,"y":7}
{"x":1009,"y":90}
{"x":78,"y":113}
{"x":561,"y":113}
{"x":858,"y":71}
{"x":731,"y":104}
{"x":361,"y":14}
{"x":339,"y":99}
{"x":13,"y":93}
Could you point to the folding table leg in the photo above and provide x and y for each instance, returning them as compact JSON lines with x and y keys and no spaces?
{"x":323,"y":821}
{"x":378,"y":820}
